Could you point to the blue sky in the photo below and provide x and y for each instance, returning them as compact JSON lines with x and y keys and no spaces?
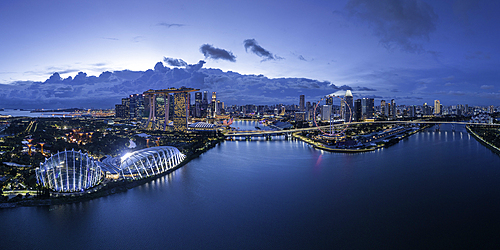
{"x":408,"y":50}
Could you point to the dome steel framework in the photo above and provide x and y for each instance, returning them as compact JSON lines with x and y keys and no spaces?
{"x":150,"y":161}
{"x":69,"y":171}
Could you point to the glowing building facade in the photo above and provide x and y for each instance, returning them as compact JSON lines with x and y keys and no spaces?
{"x":158,"y":106}
{"x":69,"y":171}
{"x":181,"y":111}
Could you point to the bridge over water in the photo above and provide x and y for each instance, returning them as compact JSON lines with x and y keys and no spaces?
{"x":288,"y":132}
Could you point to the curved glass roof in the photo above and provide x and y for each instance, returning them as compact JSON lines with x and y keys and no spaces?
{"x":150,"y":161}
{"x":69,"y":171}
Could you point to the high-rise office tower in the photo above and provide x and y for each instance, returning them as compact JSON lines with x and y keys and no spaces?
{"x":437,"y":107}
{"x":197,"y":97}
{"x":326,"y":112}
{"x":348,"y":111}
{"x":383,"y":108}
{"x":213,"y":105}
{"x":197,"y":104}
{"x":136,"y":106}
{"x":357,"y":110}
{"x":205,"y":97}
{"x":367,"y":108}
{"x":301,"y":103}
{"x":393,"y":109}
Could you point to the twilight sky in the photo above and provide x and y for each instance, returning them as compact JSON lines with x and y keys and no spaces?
{"x":408,"y":50}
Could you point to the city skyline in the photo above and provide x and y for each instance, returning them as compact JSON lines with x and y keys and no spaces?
{"x":410,"y":51}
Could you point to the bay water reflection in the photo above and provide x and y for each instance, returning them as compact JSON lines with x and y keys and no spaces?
{"x":436,"y":189}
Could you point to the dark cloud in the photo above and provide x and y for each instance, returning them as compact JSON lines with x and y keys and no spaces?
{"x":212,"y":52}
{"x":477,"y":55}
{"x":365,"y":89}
{"x":195,"y":67}
{"x":170,"y":25}
{"x":258,"y":50}
{"x":54,"y":78}
{"x":301,"y":58}
{"x":107,"y":89}
{"x":174,"y":62}
{"x":397,"y":23}
{"x":99,"y":64}
{"x":111,"y":38}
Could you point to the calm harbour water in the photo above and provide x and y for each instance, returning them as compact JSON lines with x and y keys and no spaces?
{"x":432,"y":190}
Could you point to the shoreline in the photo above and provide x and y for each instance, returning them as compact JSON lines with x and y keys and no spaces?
{"x":482,"y":141}
{"x":104,"y":189}
{"x":321,"y":146}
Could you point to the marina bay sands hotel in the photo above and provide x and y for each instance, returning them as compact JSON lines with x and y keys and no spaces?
{"x":156,"y":104}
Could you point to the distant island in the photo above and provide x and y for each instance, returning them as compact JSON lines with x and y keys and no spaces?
{"x":57,"y":110}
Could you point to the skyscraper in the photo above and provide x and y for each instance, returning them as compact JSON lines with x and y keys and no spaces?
{"x":301,"y":103}
{"x":383,"y":108}
{"x":181,"y":111}
{"x":213,"y":105}
{"x":393,"y":109}
{"x":367,"y":108}
{"x":357,"y":110}
{"x":326,"y":112}
{"x":348,"y":111}
{"x":158,"y":105}
{"x":437,"y":107}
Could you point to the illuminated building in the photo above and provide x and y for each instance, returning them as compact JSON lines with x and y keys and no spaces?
{"x":326,"y":112}
{"x":158,"y":105}
{"x":393,"y":109}
{"x":300,"y":116}
{"x":121,"y":111}
{"x":150,"y":161}
{"x":301,"y":103}
{"x":437,"y":107}
{"x":329,"y":100}
{"x":69,"y":171}
{"x":136,"y":106}
{"x":213,"y":105}
{"x":383,"y":108}
{"x":367,"y":106}
{"x":347,"y":111}
{"x":181,"y":111}
{"x":197,"y":104}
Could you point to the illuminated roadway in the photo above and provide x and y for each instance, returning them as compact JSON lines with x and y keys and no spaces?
{"x":273,"y":132}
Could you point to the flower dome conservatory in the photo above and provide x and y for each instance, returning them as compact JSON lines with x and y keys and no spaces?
{"x":69,"y":171}
{"x":149,"y":162}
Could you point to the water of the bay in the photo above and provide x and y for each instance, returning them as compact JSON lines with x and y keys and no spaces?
{"x":435,"y":189}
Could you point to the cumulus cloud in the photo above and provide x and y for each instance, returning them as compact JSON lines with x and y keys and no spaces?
{"x":259,"y":50}
{"x":170,"y":25}
{"x":397,"y":23}
{"x":212,"y":52}
{"x":107,"y":89}
{"x":54,"y":78}
{"x":174,"y":62}
{"x":487,"y":87}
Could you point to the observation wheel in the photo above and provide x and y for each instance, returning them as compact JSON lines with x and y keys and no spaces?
{"x":347,"y":114}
